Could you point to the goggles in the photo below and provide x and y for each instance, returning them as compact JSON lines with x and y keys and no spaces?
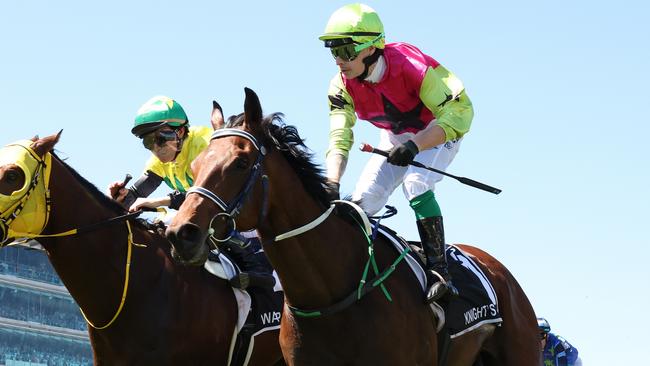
{"x":350,"y":51}
{"x":158,"y":138}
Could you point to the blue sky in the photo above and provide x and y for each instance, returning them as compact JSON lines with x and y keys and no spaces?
{"x":559,"y":90}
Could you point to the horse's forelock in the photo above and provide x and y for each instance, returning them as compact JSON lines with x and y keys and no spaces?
{"x":235,"y":121}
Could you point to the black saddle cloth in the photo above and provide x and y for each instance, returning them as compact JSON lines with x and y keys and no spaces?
{"x":477,"y":303}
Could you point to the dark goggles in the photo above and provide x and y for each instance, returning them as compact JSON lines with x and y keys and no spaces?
{"x":158,"y":138}
{"x":346,"y":52}
{"x":346,"y":49}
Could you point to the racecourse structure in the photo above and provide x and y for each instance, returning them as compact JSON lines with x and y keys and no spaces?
{"x":40,"y":324}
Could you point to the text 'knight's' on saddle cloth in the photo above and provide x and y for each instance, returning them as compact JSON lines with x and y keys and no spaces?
{"x":477,"y":303}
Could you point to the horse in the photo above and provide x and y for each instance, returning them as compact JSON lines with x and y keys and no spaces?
{"x":259,"y":174}
{"x":141,"y":307}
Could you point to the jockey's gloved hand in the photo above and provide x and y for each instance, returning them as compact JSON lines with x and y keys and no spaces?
{"x":333,"y":190}
{"x":403,"y":154}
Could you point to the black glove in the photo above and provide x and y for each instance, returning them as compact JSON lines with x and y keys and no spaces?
{"x":176,"y":199}
{"x":403,"y":154}
{"x":332,"y":189}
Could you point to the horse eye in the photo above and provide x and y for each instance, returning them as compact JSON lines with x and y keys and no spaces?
{"x":12,"y":176}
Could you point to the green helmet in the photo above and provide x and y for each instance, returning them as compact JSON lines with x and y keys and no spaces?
{"x":156,"y":112}
{"x":358,"y":22}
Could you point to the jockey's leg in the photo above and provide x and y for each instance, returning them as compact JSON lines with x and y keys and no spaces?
{"x":253,"y":273}
{"x":378,"y":179}
{"x":432,"y":234}
{"x":418,"y":189}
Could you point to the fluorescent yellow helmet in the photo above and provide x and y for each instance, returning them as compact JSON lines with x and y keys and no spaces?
{"x":356,"y":22}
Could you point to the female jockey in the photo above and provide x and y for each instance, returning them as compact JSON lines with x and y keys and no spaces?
{"x":164,"y":128}
{"x":422,"y":110}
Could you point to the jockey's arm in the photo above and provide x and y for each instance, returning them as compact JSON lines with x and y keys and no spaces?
{"x":561,"y":350}
{"x":444,"y":95}
{"x":142,"y":187}
{"x":341,"y":138}
{"x":146,"y":202}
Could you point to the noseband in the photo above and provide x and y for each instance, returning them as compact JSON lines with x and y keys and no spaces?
{"x":232,"y":209}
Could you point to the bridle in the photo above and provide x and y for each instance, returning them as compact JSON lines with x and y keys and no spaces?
{"x":232,"y":209}
{"x":39,"y":169}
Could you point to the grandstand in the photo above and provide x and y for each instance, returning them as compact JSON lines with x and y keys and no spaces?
{"x":40,"y":324}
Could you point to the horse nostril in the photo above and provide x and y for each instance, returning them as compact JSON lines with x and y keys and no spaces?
{"x":171,"y":235}
{"x":189,"y":232}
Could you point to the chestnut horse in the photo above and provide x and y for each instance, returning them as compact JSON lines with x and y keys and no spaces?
{"x":258,"y":174}
{"x":141,"y":307}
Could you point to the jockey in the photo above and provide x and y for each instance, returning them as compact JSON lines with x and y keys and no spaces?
{"x":556,"y":351}
{"x":422,"y":110}
{"x":164,"y":128}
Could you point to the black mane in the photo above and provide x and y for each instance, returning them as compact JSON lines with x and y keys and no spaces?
{"x":93,"y":190}
{"x":286,"y":139}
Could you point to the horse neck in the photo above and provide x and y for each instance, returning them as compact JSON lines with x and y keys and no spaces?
{"x":92,"y":265}
{"x":320,"y":265}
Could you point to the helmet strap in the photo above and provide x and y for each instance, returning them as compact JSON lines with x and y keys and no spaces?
{"x":368,"y":61}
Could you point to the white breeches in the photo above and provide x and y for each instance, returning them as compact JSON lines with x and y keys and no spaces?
{"x":379,"y":178}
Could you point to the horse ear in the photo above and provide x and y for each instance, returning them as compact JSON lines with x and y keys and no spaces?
{"x":252,"y":109}
{"x":217,"y":116}
{"x":46,"y":144}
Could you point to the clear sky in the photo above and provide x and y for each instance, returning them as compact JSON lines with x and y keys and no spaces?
{"x":559,"y":89}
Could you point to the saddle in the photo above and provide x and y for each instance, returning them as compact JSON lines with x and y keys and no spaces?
{"x":477,"y":303}
{"x":259,"y":308}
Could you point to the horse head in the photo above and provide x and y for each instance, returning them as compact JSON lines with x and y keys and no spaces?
{"x":24,"y":174}
{"x":227,"y":174}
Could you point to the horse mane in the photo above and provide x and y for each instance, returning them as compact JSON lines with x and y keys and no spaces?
{"x":98,"y":195}
{"x":286,"y":139}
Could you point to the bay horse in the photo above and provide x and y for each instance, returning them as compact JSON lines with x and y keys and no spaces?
{"x":142,"y":308}
{"x":259,"y":174}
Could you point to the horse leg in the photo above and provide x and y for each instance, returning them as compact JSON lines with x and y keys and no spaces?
{"x":465,"y":349}
{"x":517,"y":339}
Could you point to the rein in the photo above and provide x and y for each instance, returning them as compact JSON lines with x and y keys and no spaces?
{"x":125,"y":288}
{"x":83,"y":229}
{"x":365,"y":286}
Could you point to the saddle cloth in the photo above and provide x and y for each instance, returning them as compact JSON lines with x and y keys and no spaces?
{"x":477,"y":303}
{"x":259,"y":310}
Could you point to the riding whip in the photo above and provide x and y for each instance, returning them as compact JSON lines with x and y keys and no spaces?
{"x":470,"y":182}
